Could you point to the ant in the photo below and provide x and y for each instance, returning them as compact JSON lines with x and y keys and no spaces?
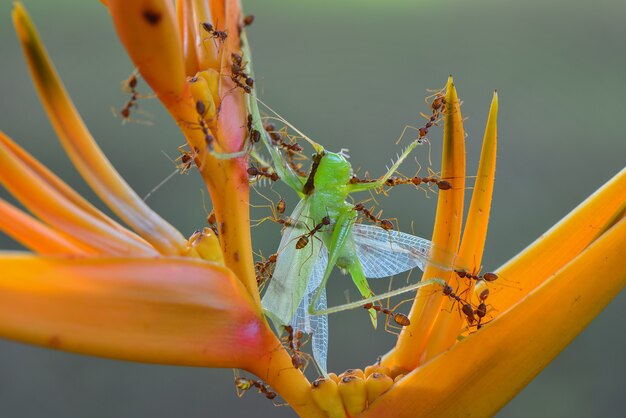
{"x":243,"y":384}
{"x":275,"y":135}
{"x":416,"y":181}
{"x":294,"y":343}
{"x":130,"y":86}
{"x":202,"y":111}
{"x":253,"y":134}
{"x":385,"y":224}
{"x":488,"y":277}
{"x":466,"y":308}
{"x":214,"y":33}
{"x":237,"y":73}
{"x":297,"y":168}
{"x":264,"y":269}
{"x":399,"y":318}
{"x":186,"y":159}
{"x":277,"y":213}
{"x":437,"y":106}
{"x":292,"y":148}
{"x":354,"y":179}
{"x":248,"y":20}
{"x":481,"y":310}
{"x":263,"y":172}
{"x":211,"y":219}
{"x":304,"y":239}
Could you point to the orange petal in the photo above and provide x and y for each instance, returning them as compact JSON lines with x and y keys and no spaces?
{"x":34,"y":235}
{"x":206,"y":49}
{"x":42,"y":199}
{"x":474,"y":235}
{"x":187,"y":36}
{"x":149,"y":32}
{"x":231,"y":131}
{"x":180,"y":311}
{"x":47,"y":176}
{"x":83,"y":150}
{"x":562,"y":242}
{"x":446,"y":236}
{"x":480,"y":374}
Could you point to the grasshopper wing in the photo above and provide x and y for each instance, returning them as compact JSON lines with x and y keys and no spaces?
{"x":293,"y":268}
{"x":385,"y":253}
{"x":316,"y":325}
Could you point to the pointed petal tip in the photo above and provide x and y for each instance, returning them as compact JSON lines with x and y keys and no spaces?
{"x":494,"y":100}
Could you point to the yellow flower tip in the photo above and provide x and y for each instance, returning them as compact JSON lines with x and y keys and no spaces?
{"x":353,"y":393}
{"x":377,"y":368}
{"x":397,"y":370}
{"x":204,"y":88}
{"x":207,"y":246}
{"x":376,"y":384}
{"x":325,"y":393}
{"x":352,"y":372}
{"x":22,"y":23}
{"x":149,"y":32}
{"x":333,"y":376}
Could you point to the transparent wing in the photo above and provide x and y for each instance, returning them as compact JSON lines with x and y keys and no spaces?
{"x":293,"y":268}
{"x":385,"y":253}
{"x":316,"y":325}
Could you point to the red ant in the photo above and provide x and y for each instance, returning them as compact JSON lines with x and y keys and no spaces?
{"x":294,"y":343}
{"x":262,"y":172}
{"x":277,"y":213}
{"x":385,"y":224}
{"x":243,"y":384}
{"x":130,"y":86}
{"x":237,"y":73}
{"x":201,"y":110}
{"x":416,"y":181}
{"x":399,"y":318}
{"x":481,"y":310}
{"x":291,"y":149}
{"x":253,"y":134}
{"x":437,"y":106}
{"x":186,"y":159}
{"x":248,"y":20}
{"x":212,"y":221}
{"x":488,"y":277}
{"x":466,"y":308}
{"x":264,"y":269}
{"x":304,"y":239}
{"x":354,"y":179}
{"x":214,"y":33}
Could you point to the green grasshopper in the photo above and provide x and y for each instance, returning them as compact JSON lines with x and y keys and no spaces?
{"x":324,"y":234}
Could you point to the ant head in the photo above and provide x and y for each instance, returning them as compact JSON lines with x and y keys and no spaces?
{"x":333,"y":170}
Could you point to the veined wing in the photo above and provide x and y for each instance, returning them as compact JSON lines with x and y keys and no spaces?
{"x":293,"y":268}
{"x":385,"y":253}
{"x":316,"y":325}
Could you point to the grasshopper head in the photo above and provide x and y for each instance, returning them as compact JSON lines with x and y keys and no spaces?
{"x":333,"y":170}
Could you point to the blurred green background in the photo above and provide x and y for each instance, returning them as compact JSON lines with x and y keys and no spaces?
{"x":351,"y":74}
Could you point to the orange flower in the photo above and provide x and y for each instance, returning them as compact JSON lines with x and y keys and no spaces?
{"x":148,"y":294}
